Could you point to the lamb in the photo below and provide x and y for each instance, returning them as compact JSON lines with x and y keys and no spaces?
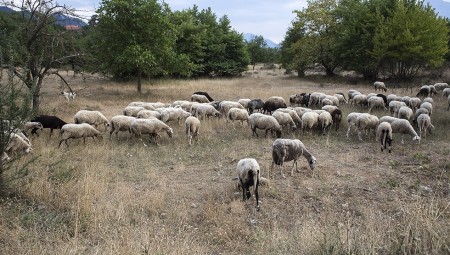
{"x":379,"y":85}
{"x":336,"y":116}
{"x":427,"y":106}
{"x":255,"y":104}
{"x":145,"y":114}
{"x":132,"y":110}
{"x":284,"y":150}
{"x":424,"y":123}
{"x":17,"y":143}
{"x":244,"y":102}
{"x":192,"y":126}
{"x":151,"y":127}
{"x":405,"y":113}
{"x":48,"y":121}
{"x":249,"y":174}
{"x":171,"y":114}
{"x":404,"y":127}
{"x":446,"y":92}
{"x":394,"y":107}
{"x":206,"y":110}
{"x":325,"y":121}
{"x":414,"y":103}
{"x":120,"y":123}
{"x":204,"y":94}
{"x":78,"y":130}
{"x":284,"y":119}
{"x":310,"y":120}
{"x":366,"y":122}
{"x":376,"y":102}
{"x":238,"y":114}
{"x":261,"y":121}
{"x":94,"y":118}
{"x":199,"y":98}
{"x":351,"y":120}
{"x":384,"y":132}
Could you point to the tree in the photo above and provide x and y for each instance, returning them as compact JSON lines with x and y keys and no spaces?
{"x":134,"y":38}
{"x":40,"y":44}
{"x":257,"y":50}
{"x":295,"y":51}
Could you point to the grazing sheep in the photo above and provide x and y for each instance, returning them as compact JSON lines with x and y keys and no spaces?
{"x":325,"y":121}
{"x":314,"y":98}
{"x":17,"y":143}
{"x":48,"y":121}
{"x":261,"y":121}
{"x":424,"y":91}
{"x":145,"y":114}
{"x":384,"y":99}
{"x":406,"y":100}
{"x":329,"y":108}
{"x":336,"y":116}
{"x":297,"y":120}
{"x":284,"y":150}
{"x":145,"y":105}
{"x":341,"y":98}
{"x":192,"y":125}
{"x":301,"y":110}
{"x":225,"y":106}
{"x":206,"y":110}
{"x":414,"y":103}
{"x":418,"y":112}
{"x":404,"y":127}
{"x":237,"y":114}
{"x":441,"y":85}
{"x":429,"y":100}
{"x":352,"y":93}
{"x":255,"y":104}
{"x":284,"y":119}
{"x":199,"y":98}
{"x":244,"y":102}
{"x":432,"y":90}
{"x":391,"y":97}
{"x":384,"y":132}
{"x":295,"y":99}
{"x":446,"y":92}
{"x":405,"y":113}
{"x":388,"y":119}
{"x":427,"y":106}
{"x":351,"y":120}
{"x":178,"y":103}
{"x":424,"y":123}
{"x":120,"y":123}
{"x":366,"y":122}
{"x":174,"y":114}
{"x":187,"y":106}
{"x":78,"y":130}
{"x":326,"y":101}
{"x":132,"y":110}
{"x":94,"y":118}
{"x":360,"y":100}
{"x":249,"y":174}
{"x":273,"y":103}
{"x":204,"y":94}
{"x":379,"y":85}
{"x":376,"y":102}
{"x":31,"y":125}
{"x":394,"y":107}
{"x":150,"y":127}
{"x":305,"y":100}
{"x":310,"y":120}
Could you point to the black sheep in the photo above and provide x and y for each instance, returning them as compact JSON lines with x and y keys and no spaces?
{"x":423,"y":92}
{"x":336,"y":115}
{"x":204,"y":94}
{"x":305,"y":100}
{"x":48,"y":121}
{"x":384,"y":99}
{"x":270,"y":106}
{"x":255,"y":104}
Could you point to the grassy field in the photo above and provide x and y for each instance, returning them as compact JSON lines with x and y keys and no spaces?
{"x":121,"y":196}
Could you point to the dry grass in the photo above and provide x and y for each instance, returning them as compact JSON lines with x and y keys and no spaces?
{"x":121,"y":197}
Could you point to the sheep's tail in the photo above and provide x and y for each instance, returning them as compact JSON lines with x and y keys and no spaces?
{"x":384,"y":134}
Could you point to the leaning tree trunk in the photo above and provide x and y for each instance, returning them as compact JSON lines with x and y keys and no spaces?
{"x":139,"y":82}
{"x":37,"y":95}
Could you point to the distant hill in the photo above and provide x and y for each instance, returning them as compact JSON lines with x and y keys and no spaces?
{"x":248,"y":37}
{"x":61,"y":19}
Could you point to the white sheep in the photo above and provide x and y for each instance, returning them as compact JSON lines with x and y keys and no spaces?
{"x":388,"y":119}
{"x":284,"y":150}
{"x":74,"y":131}
{"x":31,"y":125}
{"x":69,"y":95}
{"x":244,"y":102}
{"x":394,"y":107}
{"x":178,"y":103}
{"x":94,"y":118}
{"x":17,"y":143}
{"x":192,"y":126}
{"x":418,"y":112}
{"x":352,"y":93}
{"x":359,"y":99}
{"x":120,"y":123}
{"x":174,"y":114}
{"x":310,"y":120}
{"x":187,"y":106}
{"x":391,"y":97}
{"x":351,"y":121}
{"x":428,"y":99}
{"x":199,"y":98}
{"x":225,"y":106}
{"x":329,"y":108}
{"x":341,"y":97}
{"x":314,"y":98}
{"x":261,"y":121}
{"x":424,"y":123}
{"x":333,"y":99}
{"x":427,"y":106}
{"x":414,"y":103}
{"x":441,"y":86}
{"x":406,"y":100}
{"x":379,"y":85}
{"x":145,"y":105}
{"x":376,"y":102}
{"x":327,"y":101}
{"x":405,"y":113}
{"x":146,"y":114}
{"x":237,"y":114}
{"x":446,"y":92}
{"x":404,"y":127}
{"x":301,"y":110}
{"x":384,"y":132}
{"x":150,"y":127}
{"x":366,"y":122}
{"x":132,"y":110}
{"x":297,"y":120}
{"x":249,"y":174}
{"x":284,"y":119}
{"x":325,"y":121}
{"x":207,"y":110}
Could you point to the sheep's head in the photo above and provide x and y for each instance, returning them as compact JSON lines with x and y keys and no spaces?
{"x":170,"y":132}
{"x":416,"y":138}
{"x":278,"y":132}
{"x":312,"y":162}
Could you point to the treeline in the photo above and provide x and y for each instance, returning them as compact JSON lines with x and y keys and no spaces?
{"x":393,"y":38}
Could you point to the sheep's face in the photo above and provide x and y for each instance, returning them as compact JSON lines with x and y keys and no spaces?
{"x":416,"y":138}
{"x":170,"y":132}
{"x":278,"y":132}
{"x":312,"y":163}
{"x":28,"y":150}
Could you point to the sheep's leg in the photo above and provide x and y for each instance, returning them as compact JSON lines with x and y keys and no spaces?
{"x":281,"y":169}
{"x":256,"y":193}
{"x":51,"y":131}
{"x":292,"y":169}
{"x":60,"y":142}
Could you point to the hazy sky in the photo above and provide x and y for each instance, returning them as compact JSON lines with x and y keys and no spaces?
{"x":269,"y":18}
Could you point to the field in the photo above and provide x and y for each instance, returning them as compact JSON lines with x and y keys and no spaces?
{"x":126,"y":196}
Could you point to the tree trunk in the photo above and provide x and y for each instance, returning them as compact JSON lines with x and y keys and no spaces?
{"x":300,"y":73}
{"x":37,"y":95}
{"x":1,"y":178}
{"x":139,"y":82}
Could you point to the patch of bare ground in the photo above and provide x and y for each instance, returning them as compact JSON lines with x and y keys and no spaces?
{"x":126,"y":196}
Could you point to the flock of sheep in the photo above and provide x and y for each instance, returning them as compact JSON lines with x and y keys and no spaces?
{"x":274,"y":116}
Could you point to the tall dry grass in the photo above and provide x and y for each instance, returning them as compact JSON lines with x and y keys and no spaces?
{"x":119,"y":196}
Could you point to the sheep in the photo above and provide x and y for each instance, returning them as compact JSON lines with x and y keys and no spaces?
{"x":432,"y":90}
{"x":17,"y":143}
{"x":284,"y":150}
{"x":336,"y":116}
{"x":187,"y":106}
{"x":305,"y":100}
{"x":199,"y":98}
{"x":379,"y":85}
{"x":206,"y":110}
{"x":273,"y":104}
{"x":145,"y":105}
{"x":371,"y":95}
{"x":394,"y":107}
{"x":404,"y":127}
{"x":406,"y":100}
{"x":391,"y":97}
{"x":178,"y":103}
{"x":405,"y":113}
{"x":414,"y":103}
{"x":244,"y":102}
{"x":237,"y":114}
{"x":326,"y":101}
{"x":325,"y":121}
{"x":192,"y":126}
{"x":301,"y":110}
{"x":333,"y":99}
{"x":376,"y":102}
{"x":297,"y":120}
{"x":314,"y":98}
{"x":366,"y":122}
{"x":384,"y":99}
{"x":424,"y":123}
{"x":261,"y":121}
{"x":132,"y":110}
{"x":360,"y":100}
{"x":249,"y":174}
{"x":351,"y":120}
{"x":424,"y":91}
{"x":309,"y":120}
{"x":384,"y":132}
{"x":418,"y":112}
{"x":78,"y":130}
{"x":69,"y":95}
{"x":352,"y":93}
{"x":441,"y":85}
{"x":255,"y":104}
{"x":145,"y":114}
{"x":446,"y":92}
{"x":31,"y":125}
{"x":388,"y":119}
{"x":284,"y":119}
{"x":295,"y":99}
{"x":427,"y":106}
{"x":151,"y":127}
{"x":94,"y":118}
{"x":428,"y":99}
{"x":48,"y":121}
{"x":204,"y":94}
{"x":329,"y":108}
{"x":171,"y":114}
{"x":341,"y":98}
{"x":120,"y":123}
{"x":225,"y":106}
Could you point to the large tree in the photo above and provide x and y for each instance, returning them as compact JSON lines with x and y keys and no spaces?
{"x":257,"y":49}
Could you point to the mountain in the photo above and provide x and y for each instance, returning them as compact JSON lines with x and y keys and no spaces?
{"x":248,"y":37}
{"x":442,"y":7}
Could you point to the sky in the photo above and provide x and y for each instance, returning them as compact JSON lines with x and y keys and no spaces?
{"x":269,"y":18}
